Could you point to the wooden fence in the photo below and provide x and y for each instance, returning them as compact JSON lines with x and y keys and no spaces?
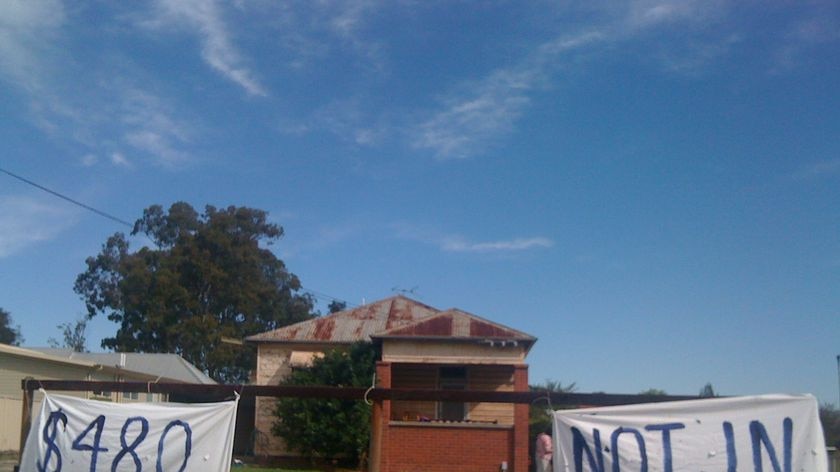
{"x":29,"y":386}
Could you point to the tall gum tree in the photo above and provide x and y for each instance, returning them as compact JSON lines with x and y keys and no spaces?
{"x":202,"y":279}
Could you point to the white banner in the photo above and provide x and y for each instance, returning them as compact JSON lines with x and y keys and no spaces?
{"x":76,"y":435}
{"x":768,"y":433}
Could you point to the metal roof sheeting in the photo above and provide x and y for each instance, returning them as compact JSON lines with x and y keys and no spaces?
{"x":396,"y":316}
{"x":165,"y":366}
{"x":348,"y":326}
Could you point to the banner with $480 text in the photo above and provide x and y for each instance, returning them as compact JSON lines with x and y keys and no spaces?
{"x":76,"y":435}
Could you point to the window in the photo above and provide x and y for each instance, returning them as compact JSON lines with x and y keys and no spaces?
{"x":132,"y":396}
{"x":452,"y":378}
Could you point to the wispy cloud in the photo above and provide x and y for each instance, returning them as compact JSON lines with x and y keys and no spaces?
{"x":26,"y":29}
{"x":204,"y":17}
{"x":803,"y":35}
{"x":119,"y":160}
{"x":819,"y":169}
{"x":479,"y":113}
{"x":150,"y":127}
{"x":25,"y":222}
{"x":643,"y":14}
{"x":487,"y":110}
{"x":311,"y":31}
{"x":458,"y":243}
{"x":114,"y":118}
{"x":512,"y":245}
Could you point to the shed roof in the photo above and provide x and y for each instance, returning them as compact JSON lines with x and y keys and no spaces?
{"x":164,"y":366}
{"x":394,"y":317}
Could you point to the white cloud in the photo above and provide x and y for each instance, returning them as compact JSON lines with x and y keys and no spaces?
{"x":119,"y":160}
{"x":205,"y":18}
{"x":150,"y":127}
{"x":457,"y":243}
{"x":311,"y":30}
{"x":480,"y":113}
{"x":488,"y":110}
{"x":819,"y":169}
{"x":26,"y":28}
{"x":25,"y":222}
{"x":517,"y":244}
{"x":89,"y":160}
{"x":804,"y":35}
{"x":642,"y":14}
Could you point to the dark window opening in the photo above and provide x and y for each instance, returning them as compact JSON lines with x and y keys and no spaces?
{"x":452,"y":378}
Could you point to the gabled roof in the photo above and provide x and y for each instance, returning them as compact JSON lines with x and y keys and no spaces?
{"x":349,"y":326}
{"x":164,"y":366}
{"x":393,"y":318}
{"x":457,"y":324}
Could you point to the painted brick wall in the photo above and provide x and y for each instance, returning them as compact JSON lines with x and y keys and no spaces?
{"x":442,"y":449}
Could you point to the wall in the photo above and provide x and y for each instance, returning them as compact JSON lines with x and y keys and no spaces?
{"x":450,"y":352}
{"x":398,"y":446}
{"x":430,"y":448}
{"x":14,"y":368}
{"x":479,"y":377}
{"x":272,"y":368}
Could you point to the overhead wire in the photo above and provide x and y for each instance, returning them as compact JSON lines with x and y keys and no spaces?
{"x":315,"y":293}
{"x":66,"y":198}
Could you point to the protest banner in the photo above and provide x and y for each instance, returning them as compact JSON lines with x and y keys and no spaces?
{"x":76,"y":435}
{"x":772,"y":433}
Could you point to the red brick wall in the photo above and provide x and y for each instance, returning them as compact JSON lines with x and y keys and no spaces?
{"x":424,"y":448}
{"x":418,"y":448}
{"x":520,"y":421}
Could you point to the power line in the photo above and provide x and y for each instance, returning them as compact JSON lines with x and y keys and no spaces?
{"x":66,"y":198}
{"x":126,"y":223}
{"x":328,"y":297}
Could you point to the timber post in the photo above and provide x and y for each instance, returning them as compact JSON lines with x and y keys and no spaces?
{"x":25,"y":414}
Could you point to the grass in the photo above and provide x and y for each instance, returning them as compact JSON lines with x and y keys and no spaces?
{"x":251,"y":468}
{"x":254,"y":468}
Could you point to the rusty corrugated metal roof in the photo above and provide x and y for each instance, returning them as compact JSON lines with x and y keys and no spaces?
{"x":357,"y":324}
{"x":393,"y":317}
{"x":455,"y":323}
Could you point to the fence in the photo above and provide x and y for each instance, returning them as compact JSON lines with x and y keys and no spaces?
{"x":325,"y":392}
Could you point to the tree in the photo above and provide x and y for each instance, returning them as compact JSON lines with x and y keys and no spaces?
{"x":9,"y":334}
{"x":830,"y":419}
{"x":538,"y":415}
{"x":336,"y":306}
{"x":654,"y":392}
{"x":330,"y":428}
{"x":208,"y":277}
{"x":707,"y":391}
{"x":74,"y":336}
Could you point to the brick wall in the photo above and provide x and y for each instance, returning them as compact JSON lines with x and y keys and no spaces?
{"x":420,"y":448}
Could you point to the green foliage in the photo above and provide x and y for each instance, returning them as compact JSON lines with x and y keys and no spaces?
{"x":654,"y":392}
{"x":207,"y":278}
{"x":539,"y":419}
{"x":336,"y":306}
{"x":74,"y":336}
{"x":330,"y":428}
{"x":830,"y":419}
{"x":9,"y":334}
{"x":707,"y":391}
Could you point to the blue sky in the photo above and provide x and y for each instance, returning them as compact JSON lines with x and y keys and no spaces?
{"x":650,"y":187}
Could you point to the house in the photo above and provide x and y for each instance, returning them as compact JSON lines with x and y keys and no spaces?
{"x":423,"y":348}
{"x":17,"y":363}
